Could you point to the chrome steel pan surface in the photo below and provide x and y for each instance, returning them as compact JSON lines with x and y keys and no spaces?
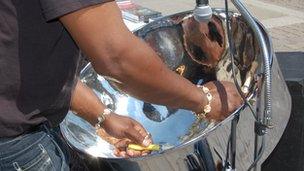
{"x":178,"y":41}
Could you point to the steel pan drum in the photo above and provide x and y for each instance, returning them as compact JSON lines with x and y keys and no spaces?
{"x":172,"y":37}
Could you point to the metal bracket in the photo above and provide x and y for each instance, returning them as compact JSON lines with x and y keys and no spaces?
{"x":260,"y":128}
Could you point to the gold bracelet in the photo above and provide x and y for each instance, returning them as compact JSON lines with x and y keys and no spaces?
{"x":102,"y":117}
{"x":207,"y":108}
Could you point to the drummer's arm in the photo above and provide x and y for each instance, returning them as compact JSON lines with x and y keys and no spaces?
{"x":114,"y":51}
{"x":85,"y":103}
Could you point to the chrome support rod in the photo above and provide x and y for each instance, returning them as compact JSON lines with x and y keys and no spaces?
{"x":266,"y":59}
{"x":233,"y":141}
{"x":265,"y":118}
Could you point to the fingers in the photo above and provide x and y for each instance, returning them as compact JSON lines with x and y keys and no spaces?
{"x":147,"y":140}
{"x":133,"y":153}
{"x":122,"y":144}
{"x":119,"y":153}
{"x":121,"y":150}
{"x":139,"y":135}
{"x":129,"y":153}
{"x":147,"y":136}
{"x":131,"y":131}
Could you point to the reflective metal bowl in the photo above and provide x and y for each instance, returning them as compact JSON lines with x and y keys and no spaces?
{"x":174,"y":38}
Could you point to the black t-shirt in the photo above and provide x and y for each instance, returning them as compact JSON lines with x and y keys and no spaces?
{"x":38,"y":61}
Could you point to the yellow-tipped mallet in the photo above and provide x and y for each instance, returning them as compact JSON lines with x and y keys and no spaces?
{"x":151,"y":147}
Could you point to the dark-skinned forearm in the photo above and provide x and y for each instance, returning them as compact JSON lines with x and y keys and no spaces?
{"x":114,"y":51}
{"x":85,"y":103}
{"x":145,"y":76}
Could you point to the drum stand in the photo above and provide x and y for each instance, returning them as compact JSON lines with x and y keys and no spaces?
{"x":263,"y":119}
{"x":229,"y":163}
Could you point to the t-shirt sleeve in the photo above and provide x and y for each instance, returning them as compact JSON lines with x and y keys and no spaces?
{"x":52,"y":9}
